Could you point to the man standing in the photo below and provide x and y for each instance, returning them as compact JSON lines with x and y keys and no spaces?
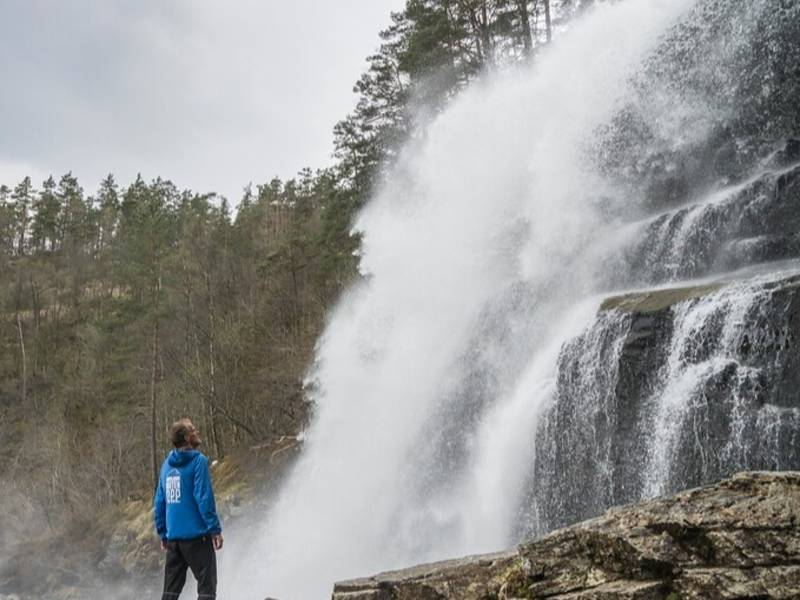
{"x":186,"y":515}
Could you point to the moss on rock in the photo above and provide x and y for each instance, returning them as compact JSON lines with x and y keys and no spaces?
{"x":657,"y":300}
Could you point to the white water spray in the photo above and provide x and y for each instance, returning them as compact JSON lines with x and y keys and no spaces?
{"x":497,"y":194}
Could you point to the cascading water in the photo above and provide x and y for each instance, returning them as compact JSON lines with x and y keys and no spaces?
{"x":690,"y":365}
{"x":674,"y":394}
{"x":468,"y":391}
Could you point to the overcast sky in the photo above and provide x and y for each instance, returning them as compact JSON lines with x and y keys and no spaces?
{"x":211,"y":94}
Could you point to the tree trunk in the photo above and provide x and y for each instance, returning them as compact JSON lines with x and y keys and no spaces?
{"x":24,"y":359}
{"x":485,"y":35}
{"x":212,"y":405}
{"x":547,"y":23}
{"x":188,"y":312}
{"x":23,"y":227}
{"x":524,"y":19}
{"x":155,"y":376}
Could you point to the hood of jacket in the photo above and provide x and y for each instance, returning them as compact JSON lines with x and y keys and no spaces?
{"x":178,"y":458}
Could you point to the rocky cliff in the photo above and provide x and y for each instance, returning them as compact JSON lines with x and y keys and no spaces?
{"x":667,"y":390}
{"x":739,"y":538}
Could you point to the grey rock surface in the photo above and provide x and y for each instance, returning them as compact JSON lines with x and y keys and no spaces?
{"x":736,"y":539}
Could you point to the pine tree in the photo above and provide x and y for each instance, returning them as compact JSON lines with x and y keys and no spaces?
{"x":109,"y":208}
{"x":45,"y":228}
{"x":75,"y":223}
{"x":7,"y":225}
{"x":23,"y":200}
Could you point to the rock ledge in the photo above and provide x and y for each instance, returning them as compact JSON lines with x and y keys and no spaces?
{"x":737,"y":539}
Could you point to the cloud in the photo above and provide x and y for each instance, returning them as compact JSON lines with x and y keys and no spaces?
{"x":209,"y":94}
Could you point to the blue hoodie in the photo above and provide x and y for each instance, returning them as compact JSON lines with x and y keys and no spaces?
{"x":184,"y":504}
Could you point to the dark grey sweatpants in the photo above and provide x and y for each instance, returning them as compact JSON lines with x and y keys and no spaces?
{"x":199,"y":556}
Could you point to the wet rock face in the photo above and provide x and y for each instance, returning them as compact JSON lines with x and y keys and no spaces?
{"x":589,"y":443}
{"x":717,"y":183}
{"x":733,"y":68}
{"x":681,"y":387}
{"x":736,"y":539}
{"x":668,"y":390}
{"x":750,"y":223}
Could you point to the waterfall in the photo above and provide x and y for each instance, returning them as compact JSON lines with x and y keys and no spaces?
{"x":468,"y":391}
{"x":653,"y":402}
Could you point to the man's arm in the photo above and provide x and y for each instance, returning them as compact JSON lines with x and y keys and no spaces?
{"x":204,"y":495}
{"x":160,"y":513}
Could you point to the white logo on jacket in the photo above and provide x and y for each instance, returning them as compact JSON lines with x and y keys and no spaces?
{"x":173,"y":487}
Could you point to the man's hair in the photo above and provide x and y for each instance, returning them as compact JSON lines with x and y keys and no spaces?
{"x":179,"y":432}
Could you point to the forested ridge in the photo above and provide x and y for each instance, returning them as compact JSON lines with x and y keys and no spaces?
{"x":124,"y":308}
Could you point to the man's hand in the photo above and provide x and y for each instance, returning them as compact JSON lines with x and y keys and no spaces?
{"x":164,"y":545}
{"x":218,"y":541}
